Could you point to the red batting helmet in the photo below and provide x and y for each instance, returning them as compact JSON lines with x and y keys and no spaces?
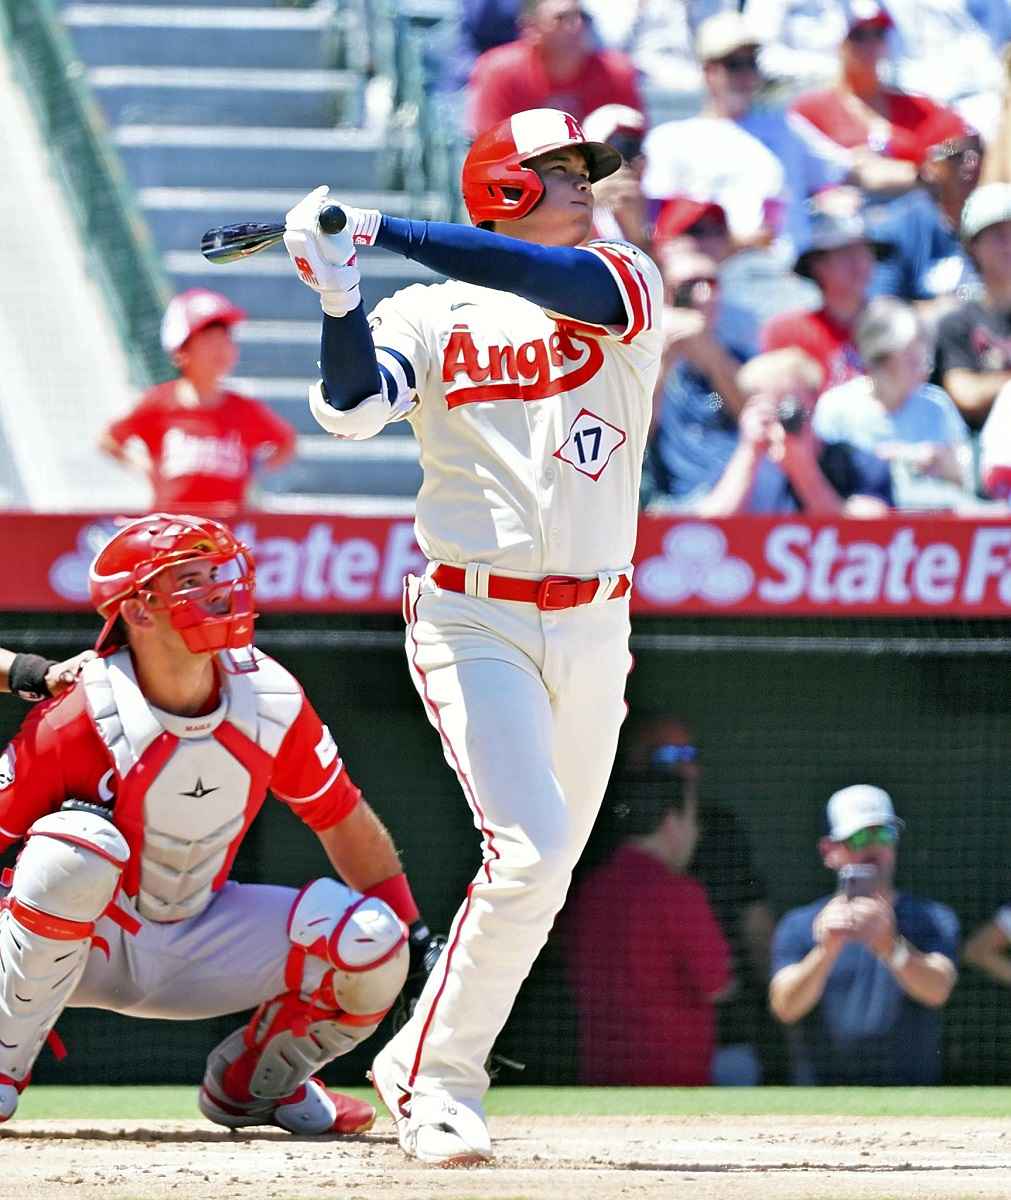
{"x":212,"y":616}
{"x":497,"y":184}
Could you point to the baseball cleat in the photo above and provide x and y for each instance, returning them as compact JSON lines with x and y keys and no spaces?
{"x":310,"y":1110}
{"x":432,"y":1129}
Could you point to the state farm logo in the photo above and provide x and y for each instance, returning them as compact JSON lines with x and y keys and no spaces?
{"x":868,"y":566}
{"x":695,"y":562}
{"x":68,"y":576}
{"x":532,"y":370}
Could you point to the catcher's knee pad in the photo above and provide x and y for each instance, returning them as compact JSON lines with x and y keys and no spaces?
{"x":66,"y":877}
{"x":347,"y":965}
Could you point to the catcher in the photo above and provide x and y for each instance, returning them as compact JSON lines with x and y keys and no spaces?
{"x":132,"y":793}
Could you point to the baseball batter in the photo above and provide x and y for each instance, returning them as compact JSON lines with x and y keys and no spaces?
{"x":527,"y":380}
{"x":132,"y":793}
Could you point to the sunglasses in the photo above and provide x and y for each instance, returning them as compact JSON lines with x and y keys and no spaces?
{"x":627,"y":145}
{"x":868,"y":33}
{"x":739,"y":63}
{"x":672,"y":756}
{"x":876,"y":835}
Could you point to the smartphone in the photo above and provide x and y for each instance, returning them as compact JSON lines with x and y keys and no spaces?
{"x":859,"y":879}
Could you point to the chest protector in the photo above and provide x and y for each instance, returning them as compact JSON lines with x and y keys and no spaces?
{"x":187,"y":788}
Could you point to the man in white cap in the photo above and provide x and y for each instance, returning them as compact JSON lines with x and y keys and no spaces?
{"x":861,"y":976}
{"x":199,"y":442}
{"x":974,"y":342}
{"x":760,"y":164}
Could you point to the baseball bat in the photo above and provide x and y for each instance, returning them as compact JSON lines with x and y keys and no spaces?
{"x":229,"y":243}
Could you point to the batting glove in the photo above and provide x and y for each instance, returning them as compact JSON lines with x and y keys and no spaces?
{"x":325,"y":262}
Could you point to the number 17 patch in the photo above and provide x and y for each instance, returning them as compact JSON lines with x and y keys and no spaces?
{"x":590,"y":444}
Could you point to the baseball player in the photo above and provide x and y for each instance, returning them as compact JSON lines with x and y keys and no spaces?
{"x":132,"y":793}
{"x":527,"y":380}
{"x":33,"y":677}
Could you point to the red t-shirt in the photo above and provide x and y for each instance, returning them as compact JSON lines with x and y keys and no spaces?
{"x":202,"y":458}
{"x":906,"y":114}
{"x":646,"y":957}
{"x":828,"y":343}
{"x":58,"y":754}
{"x":509,"y":79}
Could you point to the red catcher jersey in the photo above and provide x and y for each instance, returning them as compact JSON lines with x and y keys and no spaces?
{"x":59,"y":753}
{"x":201,"y":457}
{"x":531,"y":426}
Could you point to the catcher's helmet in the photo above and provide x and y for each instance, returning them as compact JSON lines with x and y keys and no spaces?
{"x":213,"y":615}
{"x":497,"y":184}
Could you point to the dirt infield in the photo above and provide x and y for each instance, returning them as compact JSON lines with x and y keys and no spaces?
{"x":543,"y":1158}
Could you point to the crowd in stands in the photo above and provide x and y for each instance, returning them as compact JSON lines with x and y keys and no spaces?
{"x":831,"y":210}
{"x":673,"y":936}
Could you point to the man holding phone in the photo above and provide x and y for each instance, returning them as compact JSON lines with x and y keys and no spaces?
{"x":860,"y":976}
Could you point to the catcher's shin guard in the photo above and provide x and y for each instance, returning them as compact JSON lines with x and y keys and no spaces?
{"x":66,"y":877}
{"x":347,"y":964}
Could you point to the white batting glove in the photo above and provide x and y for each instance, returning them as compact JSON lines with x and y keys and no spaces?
{"x":325,"y":262}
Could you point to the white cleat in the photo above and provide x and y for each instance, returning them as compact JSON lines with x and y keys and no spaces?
{"x":432,"y":1129}
{"x":446,"y":1132}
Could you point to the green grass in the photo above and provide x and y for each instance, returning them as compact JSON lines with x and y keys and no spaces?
{"x":179,"y":1103}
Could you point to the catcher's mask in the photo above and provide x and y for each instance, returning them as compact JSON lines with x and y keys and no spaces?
{"x":208,"y":594}
{"x":497,"y":182}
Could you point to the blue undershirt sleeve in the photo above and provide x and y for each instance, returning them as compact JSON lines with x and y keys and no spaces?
{"x":561,"y":279}
{"x":348,"y":360}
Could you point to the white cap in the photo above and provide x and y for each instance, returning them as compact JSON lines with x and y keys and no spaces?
{"x":722,"y":34}
{"x":860,"y":806}
{"x":988,"y":205}
{"x":193,"y":310}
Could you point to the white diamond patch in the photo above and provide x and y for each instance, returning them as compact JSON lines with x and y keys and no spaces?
{"x":590,"y":444}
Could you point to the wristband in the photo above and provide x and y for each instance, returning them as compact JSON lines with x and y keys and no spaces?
{"x":396,"y":892}
{"x":899,"y":955}
{"x":27,"y":676}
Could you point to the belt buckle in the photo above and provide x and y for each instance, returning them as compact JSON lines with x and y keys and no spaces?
{"x":548,"y":585}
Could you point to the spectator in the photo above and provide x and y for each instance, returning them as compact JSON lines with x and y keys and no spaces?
{"x":200,"y":444}
{"x":944,"y":49}
{"x":696,"y":400}
{"x":880,"y":125}
{"x":861,"y":977}
{"x":553,"y":64}
{"x":926,"y":261}
{"x":724,"y":865}
{"x":839,"y":258}
{"x":648,"y":961}
{"x":759,"y":164}
{"x":974,"y":342}
{"x":893,"y":412}
{"x":778,"y":464}
{"x":684,"y":226}
{"x":619,"y":206}
{"x":987,"y":948}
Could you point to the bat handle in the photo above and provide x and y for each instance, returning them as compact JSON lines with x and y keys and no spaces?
{"x":332,"y":218}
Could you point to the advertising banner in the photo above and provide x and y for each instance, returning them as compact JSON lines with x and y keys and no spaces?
{"x":899,"y":566}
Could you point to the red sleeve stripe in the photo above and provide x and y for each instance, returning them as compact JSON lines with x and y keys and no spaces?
{"x":631,"y":289}
{"x":642,"y":281}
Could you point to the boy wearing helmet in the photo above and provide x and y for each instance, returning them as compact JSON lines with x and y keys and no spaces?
{"x":527,"y":379}
{"x":132,"y":793}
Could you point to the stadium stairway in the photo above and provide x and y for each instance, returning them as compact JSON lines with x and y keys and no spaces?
{"x":232,"y":112}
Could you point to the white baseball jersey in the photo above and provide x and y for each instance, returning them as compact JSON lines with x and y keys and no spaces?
{"x":532,"y":426}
